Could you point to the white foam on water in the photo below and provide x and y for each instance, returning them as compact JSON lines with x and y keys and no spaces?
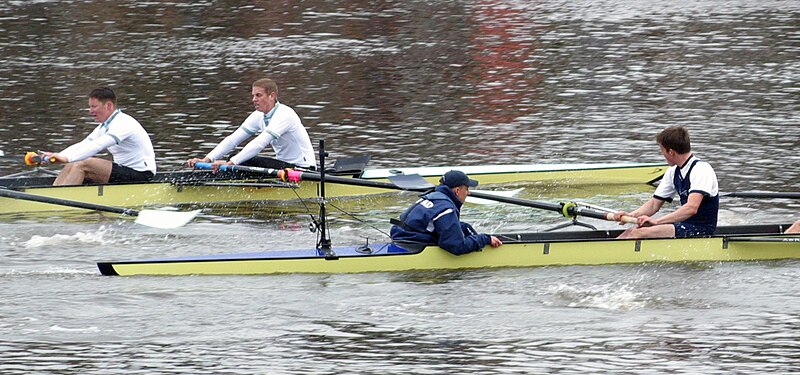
{"x":607,"y":297}
{"x":50,"y":271}
{"x":97,"y":237}
{"x":58,"y":328}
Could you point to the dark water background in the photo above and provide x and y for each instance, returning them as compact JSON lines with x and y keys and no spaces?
{"x":411,"y":83}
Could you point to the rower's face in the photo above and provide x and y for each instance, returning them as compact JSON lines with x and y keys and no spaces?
{"x":101,"y":111}
{"x":669,"y":155}
{"x":261,"y":101}
{"x":461,"y":192}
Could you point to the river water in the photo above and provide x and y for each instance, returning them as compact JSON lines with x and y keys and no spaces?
{"x":411,"y":83}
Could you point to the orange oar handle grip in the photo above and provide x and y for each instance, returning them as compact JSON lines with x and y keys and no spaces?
{"x":32,"y":158}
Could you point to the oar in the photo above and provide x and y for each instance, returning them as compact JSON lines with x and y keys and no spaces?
{"x":30,"y":158}
{"x":150,"y":218}
{"x":568,"y":209}
{"x":417,"y":183}
{"x":758,"y":194}
{"x":400,"y":182}
{"x":297,"y":176}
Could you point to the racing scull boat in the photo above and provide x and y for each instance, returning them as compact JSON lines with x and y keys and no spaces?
{"x":732,"y":243}
{"x":204,"y":187}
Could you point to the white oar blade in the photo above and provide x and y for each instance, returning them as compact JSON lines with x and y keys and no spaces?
{"x":165,"y":219}
{"x":500,"y":193}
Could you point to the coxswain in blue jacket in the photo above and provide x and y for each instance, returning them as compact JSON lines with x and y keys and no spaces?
{"x":435,"y":218}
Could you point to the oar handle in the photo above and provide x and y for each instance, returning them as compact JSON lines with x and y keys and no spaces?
{"x":204,"y":165}
{"x":234,"y":168}
{"x":571,"y":209}
{"x":32,"y":158}
{"x":623,"y":218}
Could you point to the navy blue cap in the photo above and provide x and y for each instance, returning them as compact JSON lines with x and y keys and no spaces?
{"x":457,"y":178}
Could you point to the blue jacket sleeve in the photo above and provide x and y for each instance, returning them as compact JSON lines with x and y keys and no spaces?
{"x":452,"y":238}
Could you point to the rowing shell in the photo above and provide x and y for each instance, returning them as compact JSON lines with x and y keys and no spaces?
{"x":203,"y":187}
{"x":735,"y":243}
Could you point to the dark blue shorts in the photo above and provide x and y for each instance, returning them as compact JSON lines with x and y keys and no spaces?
{"x":125,"y":174}
{"x":684,"y":229}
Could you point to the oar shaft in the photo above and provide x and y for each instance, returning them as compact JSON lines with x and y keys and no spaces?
{"x":310,"y":176}
{"x":566,"y":209}
{"x":518,"y":201}
{"x":764,"y":239}
{"x":754,"y":194}
{"x":66,"y":202}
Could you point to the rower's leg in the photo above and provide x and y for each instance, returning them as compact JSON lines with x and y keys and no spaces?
{"x":95,"y":169}
{"x":657,"y":231}
{"x":68,"y":174}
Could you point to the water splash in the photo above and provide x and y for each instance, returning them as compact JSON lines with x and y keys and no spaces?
{"x":607,"y":297}
{"x":97,"y":238}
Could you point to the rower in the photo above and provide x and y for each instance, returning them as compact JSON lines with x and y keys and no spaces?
{"x":278,"y":125}
{"x":129,"y":144}
{"x":693,"y":180}
{"x":435,"y":218}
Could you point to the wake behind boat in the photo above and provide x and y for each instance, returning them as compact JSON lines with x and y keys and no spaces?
{"x":204,"y":187}
{"x":732,"y":243}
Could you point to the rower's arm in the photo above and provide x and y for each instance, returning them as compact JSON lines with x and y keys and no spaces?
{"x":648,"y":208}
{"x":86,"y":148}
{"x":683,"y":212}
{"x":254,"y":147}
{"x":453,"y":239}
{"x":229,"y":143}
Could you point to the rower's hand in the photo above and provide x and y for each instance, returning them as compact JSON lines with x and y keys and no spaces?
{"x":618,"y":217}
{"x":53,"y":157}
{"x":215,"y":165}
{"x":191,"y":162}
{"x":495,"y":242}
{"x":645,"y":221}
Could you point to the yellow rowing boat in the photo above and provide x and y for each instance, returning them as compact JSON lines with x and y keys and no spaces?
{"x":203,"y":187}
{"x":733,"y":243}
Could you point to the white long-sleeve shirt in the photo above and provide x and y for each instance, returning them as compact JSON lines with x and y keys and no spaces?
{"x":281,"y":128}
{"x":123,"y":136}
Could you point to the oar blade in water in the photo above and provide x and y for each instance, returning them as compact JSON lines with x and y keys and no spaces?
{"x":165,"y":219}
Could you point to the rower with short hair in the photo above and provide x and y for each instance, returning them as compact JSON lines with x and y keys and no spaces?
{"x":278,"y":125}
{"x":695,"y":183}
{"x":435,"y":218}
{"x":129,"y":144}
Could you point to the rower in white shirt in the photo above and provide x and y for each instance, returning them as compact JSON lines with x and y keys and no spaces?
{"x":274,"y":124}
{"x":129,"y":144}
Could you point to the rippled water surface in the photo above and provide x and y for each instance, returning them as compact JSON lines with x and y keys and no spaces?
{"x":411,"y":83}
